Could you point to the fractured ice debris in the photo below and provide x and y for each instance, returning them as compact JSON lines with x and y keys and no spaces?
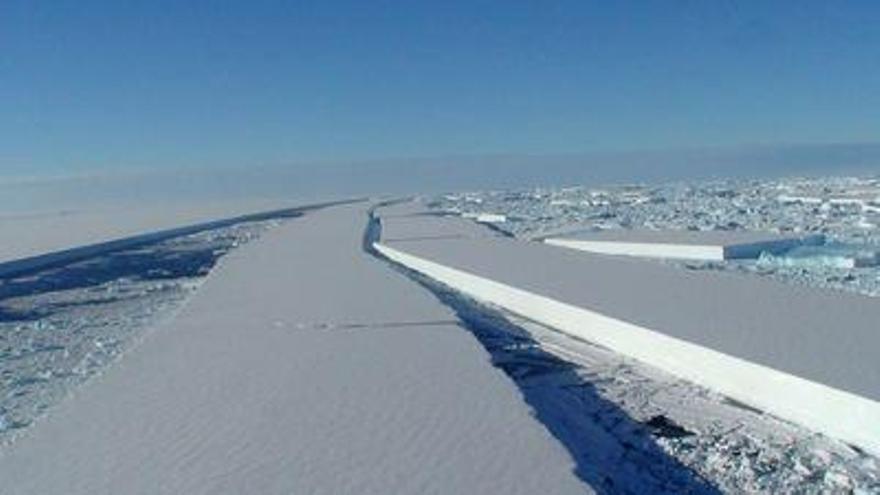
{"x":845,"y":211}
{"x":61,"y":326}
{"x":828,"y":255}
{"x":736,"y":448}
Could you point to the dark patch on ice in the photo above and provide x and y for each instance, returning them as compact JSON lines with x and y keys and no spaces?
{"x":141,"y":264}
{"x":613,"y":453}
{"x":188,"y":257}
{"x":15,"y":314}
{"x":374,"y":326}
{"x":663,"y":427}
{"x":857,"y":449}
{"x":433,"y":213}
{"x":65,"y":257}
{"x":498,"y":230}
{"x":742,"y":405}
{"x":423,"y":238}
{"x":524,"y":366}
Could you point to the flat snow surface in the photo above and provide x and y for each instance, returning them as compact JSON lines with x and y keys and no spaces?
{"x":823,"y":336}
{"x":406,"y":224}
{"x":302,"y":365}
{"x":635,"y":429}
{"x":39,"y":232}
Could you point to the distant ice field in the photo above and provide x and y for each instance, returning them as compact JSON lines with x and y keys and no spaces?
{"x":845,"y":210}
{"x":590,"y":395}
{"x":45,"y":229}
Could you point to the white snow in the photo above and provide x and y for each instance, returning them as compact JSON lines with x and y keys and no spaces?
{"x":63,"y":325}
{"x":40,"y":232}
{"x":303,"y":365}
{"x":408,"y":225}
{"x":804,"y":355}
{"x":486,"y":217}
{"x":99,"y":241}
{"x":711,"y":245}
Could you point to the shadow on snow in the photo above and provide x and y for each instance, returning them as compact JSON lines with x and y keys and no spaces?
{"x":185,"y":257}
{"x":613,"y":452}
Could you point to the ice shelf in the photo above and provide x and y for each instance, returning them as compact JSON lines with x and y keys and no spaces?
{"x":54,"y":246}
{"x":846,"y":210}
{"x":302,"y":365}
{"x":712,"y":245}
{"x":803,"y":354}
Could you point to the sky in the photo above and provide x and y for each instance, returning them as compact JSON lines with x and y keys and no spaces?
{"x":131,"y":86}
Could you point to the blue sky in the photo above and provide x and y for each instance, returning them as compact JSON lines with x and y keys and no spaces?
{"x":118,"y":85}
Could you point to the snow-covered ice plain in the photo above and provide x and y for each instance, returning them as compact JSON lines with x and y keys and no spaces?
{"x":737,"y":448}
{"x":845,"y":209}
{"x":46,"y":240}
{"x":79,"y":288}
{"x":302,"y":365}
{"x":41,"y":231}
{"x":308,"y":363}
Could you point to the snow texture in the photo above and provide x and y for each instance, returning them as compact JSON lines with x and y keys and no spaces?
{"x":302,"y":365}
{"x":811,"y":365}
{"x":61,"y":326}
{"x":591,"y":396}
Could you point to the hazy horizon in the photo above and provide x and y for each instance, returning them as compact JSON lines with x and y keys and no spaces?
{"x":326,"y":86}
{"x":310,"y":181}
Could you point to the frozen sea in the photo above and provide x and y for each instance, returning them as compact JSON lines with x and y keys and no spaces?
{"x":628,"y":427}
{"x":845,"y":209}
{"x":735,"y":448}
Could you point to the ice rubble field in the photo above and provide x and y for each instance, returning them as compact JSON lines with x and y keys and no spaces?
{"x":61,"y":326}
{"x":634,"y":429}
{"x":733,"y":447}
{"x":845,"y":209}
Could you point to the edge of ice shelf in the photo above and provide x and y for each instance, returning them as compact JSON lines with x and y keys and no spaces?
{"x":689,"y":245}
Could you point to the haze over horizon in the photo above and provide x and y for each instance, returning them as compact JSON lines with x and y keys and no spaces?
{"x":279,"y":98}
{"x":318,"y":181}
